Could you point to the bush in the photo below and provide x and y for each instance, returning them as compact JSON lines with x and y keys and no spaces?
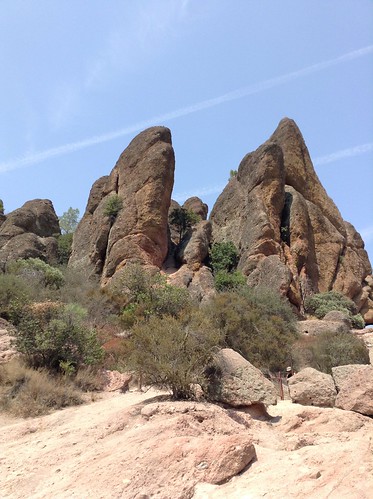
{"x":27,"y":392}
{"x":322,"y":303}
{"x":113,"y":206}
{"x":172,"y":353}
{"x":332,"y":349}
{"x":1,"y":207}
{"x":228,"y":281}
{"x":37,"y":271}
{"x":144,"y":294}
{"x":55,"y":337}
{"x":14,"y":294}
{"x":224,"y":257}
{"x":257,"y":324}
{"x":64,"y":245}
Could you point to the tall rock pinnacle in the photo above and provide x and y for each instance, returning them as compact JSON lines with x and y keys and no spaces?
{"x":289,"y":233}
{"x":142,"y":182}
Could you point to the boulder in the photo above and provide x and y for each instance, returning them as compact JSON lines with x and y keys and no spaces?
{"x":237,"y":383}
{"x":195,"y":246}
{"x":338,"y":316}
{"x":29,"y":232}
{"x":311,"y":387}
{"x":289,"y":233}
{"x":355,"y":388}
{"x":197,"y":206}
{"x":115,"y":381}
{"x":142,"y":179}
{"x":315,"y":327}
{"x":197,"y":279}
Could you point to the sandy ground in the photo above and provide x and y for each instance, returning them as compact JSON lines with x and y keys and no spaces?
{"x":100,"y":449}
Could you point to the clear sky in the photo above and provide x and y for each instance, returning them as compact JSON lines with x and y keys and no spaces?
{"x":79,"y":79}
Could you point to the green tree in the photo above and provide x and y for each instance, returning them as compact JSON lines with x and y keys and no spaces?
{"x":1,"y":207}
{"x":183,"y":220}
{"x":69,"y":220}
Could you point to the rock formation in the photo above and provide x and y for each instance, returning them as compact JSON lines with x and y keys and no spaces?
{"x":142,"y":181}
{"x":311,"y":387}
{"x":28,"y":232}
{"x":289,"y":233}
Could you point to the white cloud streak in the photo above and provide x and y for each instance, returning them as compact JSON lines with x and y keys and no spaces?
{"x":31,"y":159}
{"x":344,"y":153}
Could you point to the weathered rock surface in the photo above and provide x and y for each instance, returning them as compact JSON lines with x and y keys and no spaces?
{"x":289,"y":233}
{"x":195,"y":246}
{"x":28,"y":232}
{"x":355,"y":388}
{"x":143,"y":180}
{"x":311,"y":387}
{"x":315,"y":327}
{"x":7,"y":350}
{"x":136,"y":446}
{"x":197,"y":206}
{"x":239,"y":383}
{"x":115,"y":381}
{"x":197,"y":279}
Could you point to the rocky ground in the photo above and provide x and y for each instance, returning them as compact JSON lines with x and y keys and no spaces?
{"x":139,"y":445}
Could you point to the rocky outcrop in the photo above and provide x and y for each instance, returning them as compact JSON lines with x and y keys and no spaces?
{"x":194,"y":248}
{"x":236,"y":382}
{"x":355,"y":388}
{"x":198,"y":280}
{"x":311,"y":387}
{"x":315,"y":327}
{"x":142,"y":181}
{"x":289,"y":233}
{"x":197,"y":206}
{"x":29,"y":232}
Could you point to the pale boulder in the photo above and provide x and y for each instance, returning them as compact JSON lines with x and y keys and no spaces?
{"x":311,"y":387}
{"x":355,"y":388}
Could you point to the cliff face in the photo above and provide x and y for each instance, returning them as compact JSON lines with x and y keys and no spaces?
{"x":142,"y":180}
{"x":289,"y":233}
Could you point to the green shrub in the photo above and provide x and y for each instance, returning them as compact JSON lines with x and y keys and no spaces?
{"x":113,"y":206}
{"x":322,"y":303}
{"x":227,"y":281}
{"x":56,"y":337}
{"x":224,"y":257}
{"x":36,"y":270}
{"x":14,"y":294}
{"x":27,"y":392}
{"x":64,"y":245}
{"x":258,"y":325}
{"x":172,"y":353}
{"x":333,"y":349}
{"x":1,"y":207}
{"x":144,"y":294}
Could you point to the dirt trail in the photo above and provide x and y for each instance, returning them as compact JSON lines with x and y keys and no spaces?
{"x":107,"y":449}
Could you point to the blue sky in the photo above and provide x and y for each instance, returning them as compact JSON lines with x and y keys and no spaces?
{"x":80,"y":79}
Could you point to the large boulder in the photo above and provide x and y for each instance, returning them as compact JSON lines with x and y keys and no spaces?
{"x":315,"y":327}
{"x":237,"y":383}
{"x":197,"y":206}
{"x":355,"y":388}
{"x":142,"y":180}
{"x":289,"y":233}
{"x":194,"y":248}
{"x":30,"y":232}
{"x":311,"y":387}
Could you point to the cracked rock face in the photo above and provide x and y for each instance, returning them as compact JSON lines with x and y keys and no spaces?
{"x":29,"y":232}
{"x":142,"y":180}
{"x":289,"y":233}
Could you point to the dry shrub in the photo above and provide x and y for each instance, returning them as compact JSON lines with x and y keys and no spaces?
{"x":27,"y":392}
{"x":89,"y":379}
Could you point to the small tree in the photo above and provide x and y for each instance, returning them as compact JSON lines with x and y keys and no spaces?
{"x":174,"y":354}
{"x":183,"y":220}
{"x":224,"y":257}
{"x":69,"y":221}
{"x":1,"y":207}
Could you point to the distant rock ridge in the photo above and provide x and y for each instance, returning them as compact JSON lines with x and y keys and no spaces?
{"x":289,"y":233}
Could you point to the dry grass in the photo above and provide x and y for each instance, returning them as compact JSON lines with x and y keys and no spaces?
{"x":27,"y":392}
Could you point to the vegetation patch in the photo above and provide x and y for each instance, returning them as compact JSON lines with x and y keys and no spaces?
{"x":321,"y":303}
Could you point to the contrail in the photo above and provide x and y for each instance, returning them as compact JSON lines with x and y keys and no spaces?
{"x":344,"y":153}
{"x":31,"y":159}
